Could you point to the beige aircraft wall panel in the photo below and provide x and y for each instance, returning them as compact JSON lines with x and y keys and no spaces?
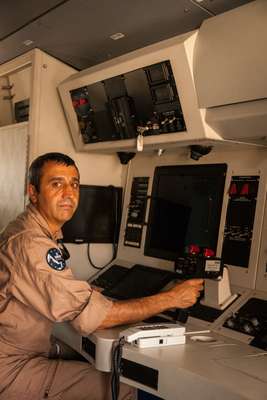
{"x":48,"y":127}
{"x":15,"y":85}
{"x":17,"y":63}
{"x":245,"y":121}
{"x":6,"y":114}
{"x":240,"y":162}
{"x":230,"y":56}
{"x":21,"y":81}
{"x":261,"y":283}
{"x":13,"y":167}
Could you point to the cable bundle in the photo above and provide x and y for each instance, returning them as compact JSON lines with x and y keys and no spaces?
{"x":116,"y":368}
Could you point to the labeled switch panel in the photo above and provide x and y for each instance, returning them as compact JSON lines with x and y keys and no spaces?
{"x":240,"y":220}
{"x":136,"y":212}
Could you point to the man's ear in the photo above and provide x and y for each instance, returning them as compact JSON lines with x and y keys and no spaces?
{"x":32,"y":192}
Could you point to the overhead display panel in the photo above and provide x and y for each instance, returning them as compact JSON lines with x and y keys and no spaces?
{"x":144,"y":101}
{"x":146,"y":96}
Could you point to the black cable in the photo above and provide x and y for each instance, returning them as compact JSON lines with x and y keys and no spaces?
{"x":116,"y":368}
{"x":104,"y":266}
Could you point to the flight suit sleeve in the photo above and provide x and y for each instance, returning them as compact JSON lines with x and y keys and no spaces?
{"x":43,"y":282}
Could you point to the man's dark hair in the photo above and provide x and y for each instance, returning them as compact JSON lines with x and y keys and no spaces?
{"x":35,"y":170}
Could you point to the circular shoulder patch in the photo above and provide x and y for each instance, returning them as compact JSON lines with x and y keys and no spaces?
{"x":55,"y":259}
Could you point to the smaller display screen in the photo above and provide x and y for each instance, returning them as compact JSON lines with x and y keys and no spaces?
{"x":97,"y":218}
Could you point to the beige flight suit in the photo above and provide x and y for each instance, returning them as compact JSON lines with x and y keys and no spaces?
{"x":34,"y":295}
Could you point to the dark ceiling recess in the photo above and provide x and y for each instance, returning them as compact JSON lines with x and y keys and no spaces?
{"x":78,"y":31}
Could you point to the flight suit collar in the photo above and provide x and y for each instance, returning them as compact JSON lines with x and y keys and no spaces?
{"x":35,"y":214}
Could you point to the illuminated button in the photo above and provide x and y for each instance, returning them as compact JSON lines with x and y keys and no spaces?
{"x":208,"y":252}
{"x":83,"y":101}
{"x":75,"y":103}
{"x":245,"y":189}
{"x":233,"y":189}
{"x":192,"y":249}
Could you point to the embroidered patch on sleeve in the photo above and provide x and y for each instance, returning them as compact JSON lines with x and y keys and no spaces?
{"x":55,"y":259}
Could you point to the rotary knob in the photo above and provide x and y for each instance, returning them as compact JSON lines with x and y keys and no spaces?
{"x":230,"y":323}
{"x":255,"y":322}
{"x":248,"y":328}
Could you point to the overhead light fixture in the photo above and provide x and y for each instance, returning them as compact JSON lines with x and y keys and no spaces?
{"x":28,"y":42}
{"x":117,"y":36}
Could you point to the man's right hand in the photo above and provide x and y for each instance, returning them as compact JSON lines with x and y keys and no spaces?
{"x":181,"y":295}
{"x":185,"y":294}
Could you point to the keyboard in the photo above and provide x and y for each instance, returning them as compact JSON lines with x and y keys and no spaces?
{"x":110,"y":277}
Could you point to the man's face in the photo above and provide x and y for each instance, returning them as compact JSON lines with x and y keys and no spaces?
{"x":59,"y":193}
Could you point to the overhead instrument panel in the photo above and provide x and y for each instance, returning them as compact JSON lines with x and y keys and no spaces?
{"x":144,"y":101}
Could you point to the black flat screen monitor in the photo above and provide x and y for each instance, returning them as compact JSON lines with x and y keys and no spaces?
{"x":185,"y":209}
{"x":97,"y":218}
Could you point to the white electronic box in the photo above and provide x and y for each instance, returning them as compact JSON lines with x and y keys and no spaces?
{"x":154,"y":335}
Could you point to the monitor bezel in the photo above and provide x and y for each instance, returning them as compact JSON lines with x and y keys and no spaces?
{"x":211,"y":170}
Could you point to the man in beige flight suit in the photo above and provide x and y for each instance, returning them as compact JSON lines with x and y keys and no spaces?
{"x":38,"y":289}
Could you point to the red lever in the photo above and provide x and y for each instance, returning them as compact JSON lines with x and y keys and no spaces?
{"x":208,"y":252}
{"x":245,"y":189}
{"x":233,"y":189}
{"x":193,"y":249}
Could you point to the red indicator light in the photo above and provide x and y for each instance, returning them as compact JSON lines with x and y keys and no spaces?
{"x":83,"y":101}
{"x":193,"y":249}
{"x":245,"y":189}
{"x":233,"y":189}
{"x":208,"y":253}
{"x":75,"y":103}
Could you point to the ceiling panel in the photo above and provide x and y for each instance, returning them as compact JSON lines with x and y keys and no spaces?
{"x":220,"y":6}
{"x":14,"y":14}
{"x":78,"y":31}
{"x":140,"y":23}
